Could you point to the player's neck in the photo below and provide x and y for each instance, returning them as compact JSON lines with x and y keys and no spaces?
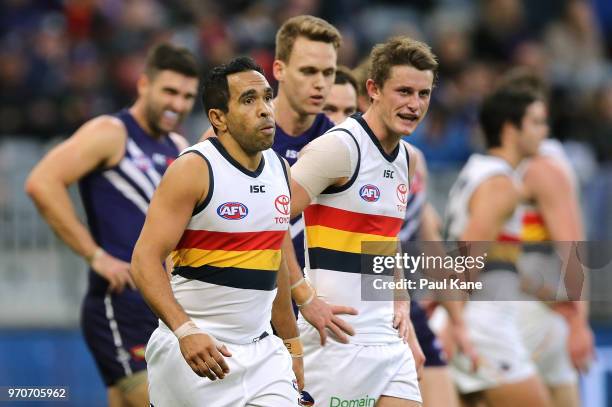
{"x":388,"y":140}
{"x":293,"y":123}
{"x":249,"y":161}
{"x":506,"y":154}
{"x":138,"y":112}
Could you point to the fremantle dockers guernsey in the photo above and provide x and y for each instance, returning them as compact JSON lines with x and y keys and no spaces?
{"x":477,"y":170}
{"x":288,"y":146}
{"x":369,"y":208}
{"x":116,"y":199}
{"x":225,"y":264}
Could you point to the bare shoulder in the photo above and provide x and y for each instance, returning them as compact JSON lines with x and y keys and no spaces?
{"x":542,"y":170}
{"x":499,"y":191}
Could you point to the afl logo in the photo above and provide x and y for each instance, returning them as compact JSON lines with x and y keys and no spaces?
{"x":402,"y":193}
{"x":369,"y":193}
{"x":232,"y":210}
{"x":282,"y":204}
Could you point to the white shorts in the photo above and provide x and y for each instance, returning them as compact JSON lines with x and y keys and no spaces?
{"x":340,"y":374}
{"x":260,"y":375}
{"x":494,"y":332}
{"x":545,"y":335}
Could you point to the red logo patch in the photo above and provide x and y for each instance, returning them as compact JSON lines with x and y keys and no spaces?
{"x":402,"y":193}
{"x":282,"y":204}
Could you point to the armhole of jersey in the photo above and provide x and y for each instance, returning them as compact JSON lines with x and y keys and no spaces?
{"x":408,"y":164}
{"x":284,"y":167}
{"x":211,"y":187}
{"x":332,"y":189}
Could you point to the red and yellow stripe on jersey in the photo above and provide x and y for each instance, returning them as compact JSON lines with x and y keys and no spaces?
{"x":335,"y":237}
{"x":534,"y":228}
{"x":238,"y":259}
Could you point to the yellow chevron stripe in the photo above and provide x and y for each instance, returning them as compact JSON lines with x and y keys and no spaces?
{"x":252,"y":259}
{"x":340,"y":240}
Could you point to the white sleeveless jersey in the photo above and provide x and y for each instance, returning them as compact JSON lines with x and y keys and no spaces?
{"x":369,"y":208}
{"x":226,"y":261}
{"x":477,"y":170}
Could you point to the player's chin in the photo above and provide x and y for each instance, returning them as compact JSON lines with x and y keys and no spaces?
{"x":404,"y":128}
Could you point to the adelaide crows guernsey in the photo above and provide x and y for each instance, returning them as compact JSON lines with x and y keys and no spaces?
{"x":226,"y":263}
{"x":288,"y":146}
{"x":369,"y":208}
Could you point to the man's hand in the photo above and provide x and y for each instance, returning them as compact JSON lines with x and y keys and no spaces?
{"x":322,"y":315}
{"x":204,"y":355}
{"x":401,"y":319}
{"x":459,"y":335}
{"x":113,"y":270}
{"x":298,"y":370}
{"x":580,"y":345}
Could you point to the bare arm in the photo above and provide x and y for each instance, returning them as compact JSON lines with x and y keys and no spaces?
{"x":97,"y":143}
{"x":491,"y":205}
{"x":184,"y":185}
{"x":557,"y":201}
{"x":283,"y":318}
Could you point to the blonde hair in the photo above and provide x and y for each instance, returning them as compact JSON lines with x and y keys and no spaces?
{"x":310,"y":27}
{"x":400,"y":51}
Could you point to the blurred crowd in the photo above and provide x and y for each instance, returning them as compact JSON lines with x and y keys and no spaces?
{"x":65,"y":61}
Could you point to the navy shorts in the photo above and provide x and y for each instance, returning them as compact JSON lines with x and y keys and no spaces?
{"x":117,"y":328}
{"x":427,"y":339}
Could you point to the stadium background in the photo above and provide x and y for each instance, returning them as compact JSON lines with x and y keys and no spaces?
{"x":63,"y":62}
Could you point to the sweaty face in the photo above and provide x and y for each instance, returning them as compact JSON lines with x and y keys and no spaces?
{"x":169,"y":98}
{"x":403,"y":99}
{"x":250,"y":116}
{"x":534,"y":128}
{"x":309,"y":75}
{"x":341,"y":102}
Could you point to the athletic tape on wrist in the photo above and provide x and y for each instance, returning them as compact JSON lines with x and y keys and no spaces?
{"x":294,"y":346}
{"x":97,"y":253}
{"x":309,"y":300}
{"x":188,"y":328}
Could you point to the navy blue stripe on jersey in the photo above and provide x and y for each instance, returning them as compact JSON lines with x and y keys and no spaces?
{"x":253,"y":174}
{"x":389,"y":157}
{"x":211,"y":183}
{"x":251,"y":279}
{"x":346,"y":262}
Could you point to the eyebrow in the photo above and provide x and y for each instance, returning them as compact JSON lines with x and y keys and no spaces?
{"x":253,"y":92}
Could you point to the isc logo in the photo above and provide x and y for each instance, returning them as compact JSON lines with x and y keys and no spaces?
{"x":369,"y":193}
{"x":232,"y":210}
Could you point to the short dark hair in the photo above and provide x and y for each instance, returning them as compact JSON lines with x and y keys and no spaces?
{"x":215,"y":91}
{"x":522,"y":77}
{"x":172,"y":58}
{"x":505,"y":105}
{"x":400,"y":51}
{"x":343,"y":76}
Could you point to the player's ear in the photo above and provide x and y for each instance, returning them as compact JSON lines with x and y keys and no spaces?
{"x":278,"y":69}
{"x":373,"y":89}
{"x":218,"y":120}
{"x":142,"y":85}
